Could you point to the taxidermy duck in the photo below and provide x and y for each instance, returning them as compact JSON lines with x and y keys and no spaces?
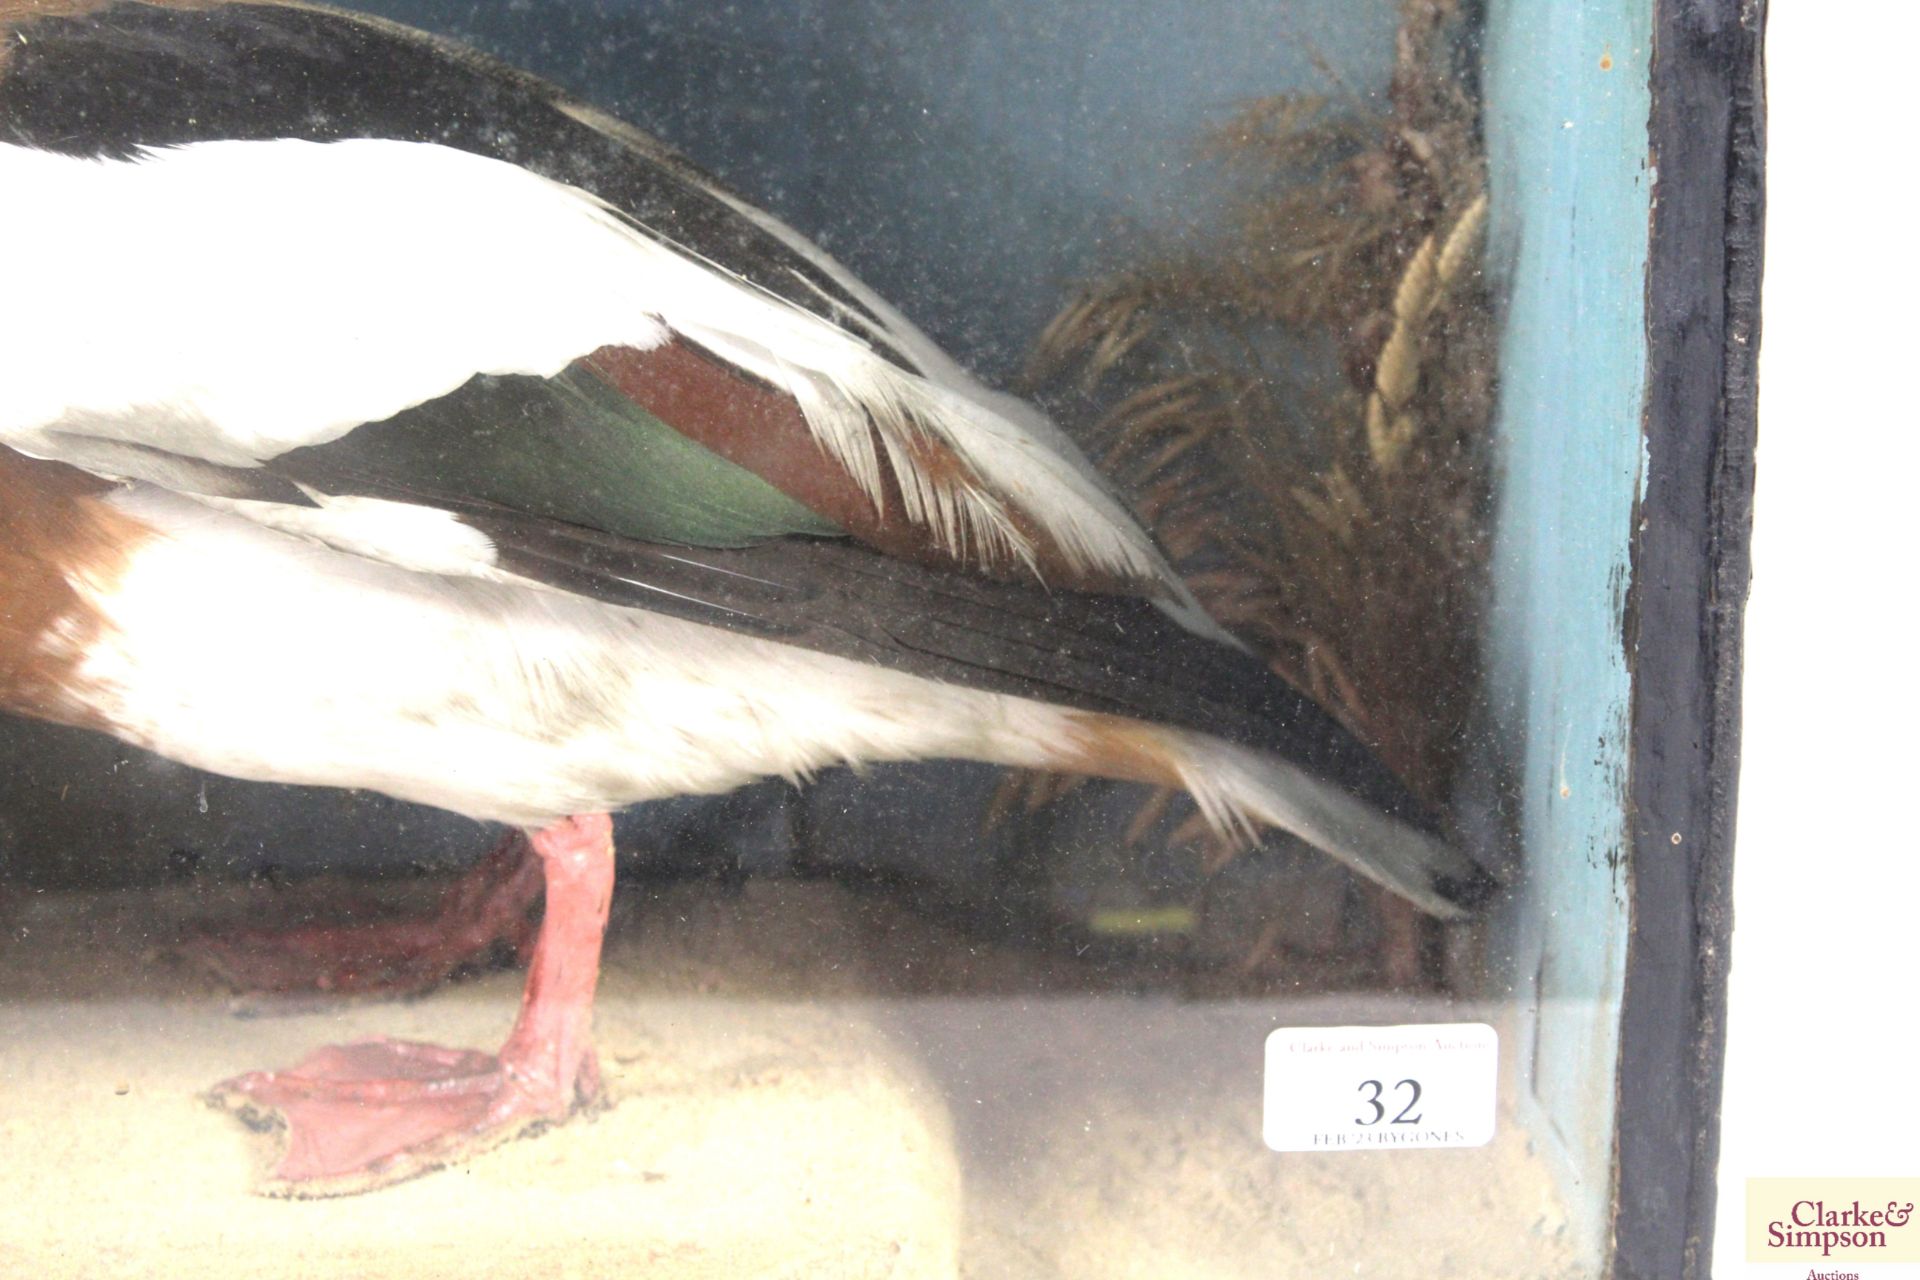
{"x":374,"y":415}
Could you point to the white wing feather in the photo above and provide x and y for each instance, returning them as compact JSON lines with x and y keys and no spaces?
{"x":240,"y":299}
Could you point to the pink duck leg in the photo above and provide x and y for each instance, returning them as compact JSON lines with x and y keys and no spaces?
{"x":363,"y":1115}
{"x":489,"y":907}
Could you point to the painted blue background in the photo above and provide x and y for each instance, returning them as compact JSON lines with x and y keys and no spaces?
{"x":971,"y":159}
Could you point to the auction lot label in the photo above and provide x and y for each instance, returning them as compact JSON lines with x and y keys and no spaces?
{"x":1381,"y":1088}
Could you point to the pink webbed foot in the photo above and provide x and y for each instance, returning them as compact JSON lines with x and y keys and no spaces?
{"x":486,"y":911}
{"x":364,"y":1115}
{"x":360,"y":1116}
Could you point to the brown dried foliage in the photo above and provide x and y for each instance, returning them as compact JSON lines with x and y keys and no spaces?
{"x":1360,"y":576}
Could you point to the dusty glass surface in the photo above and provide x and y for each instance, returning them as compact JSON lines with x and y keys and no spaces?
{"x":1279,"y":270}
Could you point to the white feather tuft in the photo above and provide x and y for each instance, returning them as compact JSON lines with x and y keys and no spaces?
{"x":423,"y":539}
{"x":1239,"y":791}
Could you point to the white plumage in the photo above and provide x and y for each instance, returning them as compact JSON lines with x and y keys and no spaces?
{"x":421,"y":266}
{"x":501,"y":700}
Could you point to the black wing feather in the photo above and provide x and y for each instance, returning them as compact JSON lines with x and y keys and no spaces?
{"x":1111,"y":654}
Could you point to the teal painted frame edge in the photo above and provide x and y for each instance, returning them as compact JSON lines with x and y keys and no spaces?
{"x":1567,"y":105}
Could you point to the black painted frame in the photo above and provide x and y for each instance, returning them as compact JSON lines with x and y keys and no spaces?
{"x":1690,"y":572}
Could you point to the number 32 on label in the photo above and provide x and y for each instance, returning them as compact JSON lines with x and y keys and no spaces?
{"x":1380,"y":1112}
{"x":1373,"y":1088}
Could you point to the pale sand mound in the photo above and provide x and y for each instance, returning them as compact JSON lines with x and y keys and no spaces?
{"x":770,"y":1118}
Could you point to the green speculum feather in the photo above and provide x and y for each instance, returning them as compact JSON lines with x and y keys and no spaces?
{"x":572,"y":448}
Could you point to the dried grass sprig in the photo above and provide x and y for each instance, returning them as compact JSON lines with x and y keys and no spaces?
{"x":1423,"y":286}
{"x":1340,"y":526}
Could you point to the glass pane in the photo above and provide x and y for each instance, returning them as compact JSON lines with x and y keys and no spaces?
{"x":521,"y":470}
